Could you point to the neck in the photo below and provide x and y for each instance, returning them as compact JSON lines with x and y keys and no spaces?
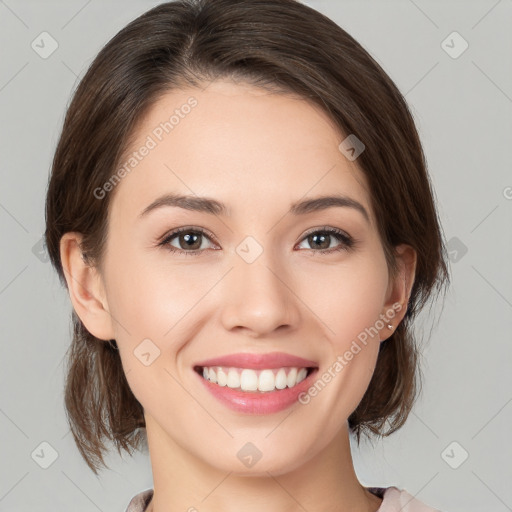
{"x":327,"y":481}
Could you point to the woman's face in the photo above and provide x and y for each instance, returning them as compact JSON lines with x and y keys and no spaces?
{"x":262,"y":278}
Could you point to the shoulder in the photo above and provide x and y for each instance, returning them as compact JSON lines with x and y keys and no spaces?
{"x":395,"y":500}
{"x":140,"y":502}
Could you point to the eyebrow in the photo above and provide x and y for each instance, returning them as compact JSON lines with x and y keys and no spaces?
{"x":214,"y":207}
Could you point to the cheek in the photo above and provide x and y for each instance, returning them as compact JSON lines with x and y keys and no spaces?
{"x":348,"y":298}
{"x":149,"y":298}
{"x":149,"y":307}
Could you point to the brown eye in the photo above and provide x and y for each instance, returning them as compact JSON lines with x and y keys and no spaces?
{"x":188,"y":240}
{"x":321,"y":240}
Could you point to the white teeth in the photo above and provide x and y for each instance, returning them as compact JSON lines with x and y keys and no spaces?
{"x":267,"y":380}
{"x":233,"y":379}
{"x":281,"y":381}
{"x":222,"y":378}
{"x":292,"y":377}
{"x":248,"y":379}
{"x":301,"y":375}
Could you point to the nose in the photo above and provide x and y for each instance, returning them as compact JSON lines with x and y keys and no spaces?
{"x":258,"y":298}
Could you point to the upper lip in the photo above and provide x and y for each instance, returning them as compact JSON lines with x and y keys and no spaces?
{"x":259,"y":361}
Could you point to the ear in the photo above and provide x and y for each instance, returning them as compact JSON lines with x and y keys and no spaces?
{"x":399,"y":289}
{"x":86,"y":288}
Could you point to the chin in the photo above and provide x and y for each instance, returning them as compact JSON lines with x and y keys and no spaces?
{"x":277,"y":463}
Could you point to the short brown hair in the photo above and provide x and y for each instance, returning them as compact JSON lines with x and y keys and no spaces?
{"x":281,"y":45}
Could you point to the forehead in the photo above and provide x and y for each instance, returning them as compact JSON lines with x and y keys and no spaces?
{"x":239,"y":144}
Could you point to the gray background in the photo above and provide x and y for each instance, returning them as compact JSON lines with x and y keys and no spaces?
{"x":463,"y":109}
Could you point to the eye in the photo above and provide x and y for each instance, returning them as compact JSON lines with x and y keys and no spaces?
{"x":322,"y":238}
{"x":189,"y":240}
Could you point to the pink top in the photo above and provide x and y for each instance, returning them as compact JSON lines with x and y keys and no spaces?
{"x":393,"y":500}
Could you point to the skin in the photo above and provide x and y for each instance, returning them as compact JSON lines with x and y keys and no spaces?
{"x":258,"y":152}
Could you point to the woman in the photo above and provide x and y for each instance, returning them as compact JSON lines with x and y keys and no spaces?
{"x":240,"y":209}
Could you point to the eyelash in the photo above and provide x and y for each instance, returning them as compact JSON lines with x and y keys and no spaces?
{"x":347,"y":242}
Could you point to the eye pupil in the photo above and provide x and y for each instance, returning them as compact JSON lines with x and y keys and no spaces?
{"x":190,"y":238}
{"x":323,"y":237}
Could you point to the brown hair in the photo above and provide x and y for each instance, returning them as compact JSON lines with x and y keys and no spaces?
{"x":281,"y":45}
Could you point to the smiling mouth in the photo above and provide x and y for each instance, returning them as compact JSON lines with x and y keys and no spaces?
{"x":255,"y":381}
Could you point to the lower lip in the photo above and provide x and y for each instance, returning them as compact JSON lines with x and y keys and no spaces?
{"x":253,"y":402}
